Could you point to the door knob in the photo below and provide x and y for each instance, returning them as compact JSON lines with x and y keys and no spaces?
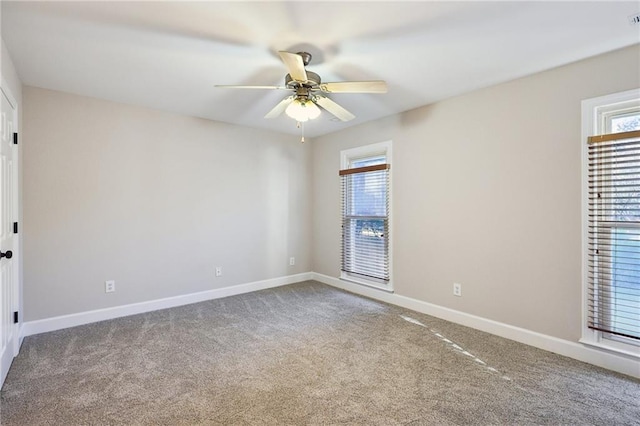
{"x":8,"y":254}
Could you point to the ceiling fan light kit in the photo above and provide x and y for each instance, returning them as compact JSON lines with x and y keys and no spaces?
{"x":302,"y":110}
{"x":308,"y":91}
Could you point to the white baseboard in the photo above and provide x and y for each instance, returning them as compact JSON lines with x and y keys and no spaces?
{"x":65,"y":321}
{"x":602,"y":358}
{"x":592,"y":355}
{"x":21,"y":336}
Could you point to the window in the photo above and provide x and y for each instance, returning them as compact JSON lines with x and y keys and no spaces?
{"x":612,"y":222}
{"x":365,"y":175}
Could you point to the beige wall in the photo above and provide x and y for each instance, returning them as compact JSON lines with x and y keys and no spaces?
{"x":486,"y":192}
{"x":154,"y":201}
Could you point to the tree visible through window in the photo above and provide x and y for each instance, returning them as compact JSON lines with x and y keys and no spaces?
{"x":625,"y":123}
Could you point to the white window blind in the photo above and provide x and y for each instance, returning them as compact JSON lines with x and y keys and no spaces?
{"x":614,"y":234}
{"x":365,"y":222}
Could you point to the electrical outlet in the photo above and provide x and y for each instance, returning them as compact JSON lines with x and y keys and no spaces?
{"x":292,"y":261}
{"x":109,"y":286}
{"x":218,"y":271}
{"x":457,"y":289}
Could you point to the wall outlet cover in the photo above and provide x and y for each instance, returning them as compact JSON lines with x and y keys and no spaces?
{"x":457,"y":289}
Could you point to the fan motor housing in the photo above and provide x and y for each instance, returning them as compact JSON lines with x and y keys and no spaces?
{"x":313,"y":79}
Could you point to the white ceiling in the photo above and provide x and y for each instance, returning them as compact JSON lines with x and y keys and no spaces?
{"x":169,"y":55}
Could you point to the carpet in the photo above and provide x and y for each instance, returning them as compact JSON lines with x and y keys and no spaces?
{"x":302,"y":354}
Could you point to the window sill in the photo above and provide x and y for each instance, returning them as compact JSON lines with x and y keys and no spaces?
{"x":611,"y":348}
{"x":388,"y":287}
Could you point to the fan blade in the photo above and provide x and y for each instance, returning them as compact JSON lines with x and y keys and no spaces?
{"x":294,"y":65}
{"x":334,"y":108}
{"x":377,"y":86}
{"x":279,"y":109}
{"x":248,"y":87}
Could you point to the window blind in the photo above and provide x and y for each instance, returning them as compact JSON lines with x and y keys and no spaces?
{"x":365,"y":222}
{"x":614,"y":234}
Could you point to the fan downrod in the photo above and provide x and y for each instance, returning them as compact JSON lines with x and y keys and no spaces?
{"x":306,"y":57}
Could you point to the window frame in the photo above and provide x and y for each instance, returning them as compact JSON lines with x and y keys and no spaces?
{"x":596,"y":116}
{"x":360,"y":153}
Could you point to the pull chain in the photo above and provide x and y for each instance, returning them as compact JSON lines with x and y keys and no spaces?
{"x":301,"y":127}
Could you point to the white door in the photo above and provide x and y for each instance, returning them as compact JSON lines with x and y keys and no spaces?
{"x":8,"y":214}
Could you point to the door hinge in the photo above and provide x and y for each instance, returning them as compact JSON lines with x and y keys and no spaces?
{"x":15,"y":227}
{"x":15,"y":317}
{"x":15,"y":139}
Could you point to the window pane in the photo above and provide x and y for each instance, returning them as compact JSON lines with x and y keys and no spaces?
{"x":368,"y":194}
{"x":626,"y":123}
{"x":365,"y":221}
{"x":614,"y":236}
{"x":365,"y":247}
{"x":364,"y":162}
{"x":625,"y":281}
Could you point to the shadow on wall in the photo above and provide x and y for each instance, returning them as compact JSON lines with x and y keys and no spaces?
{"x":277,"y":164}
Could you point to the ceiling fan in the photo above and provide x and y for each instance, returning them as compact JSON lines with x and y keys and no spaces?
{"x":308,"y":91}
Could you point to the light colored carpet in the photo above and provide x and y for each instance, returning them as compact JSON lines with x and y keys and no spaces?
{"x":302,"y":354}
